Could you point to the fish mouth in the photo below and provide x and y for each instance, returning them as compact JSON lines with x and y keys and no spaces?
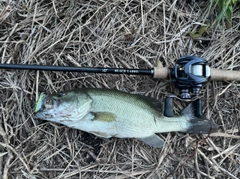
{"x":45,"y":105}
{"x":40,"y":102}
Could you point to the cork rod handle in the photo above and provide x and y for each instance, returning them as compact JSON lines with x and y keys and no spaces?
{"x":224,"y":75}
{"x":216,"y":74}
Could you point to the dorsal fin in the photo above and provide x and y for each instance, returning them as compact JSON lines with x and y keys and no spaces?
{"x":188,"y":110}
{"x":146,"y":99}
{"x":150,"y":101}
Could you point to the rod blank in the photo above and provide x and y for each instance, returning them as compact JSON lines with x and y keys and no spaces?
{"x":78,"y":69}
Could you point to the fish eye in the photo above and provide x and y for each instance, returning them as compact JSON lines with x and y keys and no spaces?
{"x":47,"y":101}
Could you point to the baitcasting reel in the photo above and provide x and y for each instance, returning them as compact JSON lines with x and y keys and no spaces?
{"x":189,"y":74}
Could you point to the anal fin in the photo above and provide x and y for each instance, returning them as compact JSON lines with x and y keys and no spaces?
{"x":153,"y":140}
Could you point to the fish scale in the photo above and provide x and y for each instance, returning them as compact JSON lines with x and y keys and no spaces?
{"x":132,"y":127}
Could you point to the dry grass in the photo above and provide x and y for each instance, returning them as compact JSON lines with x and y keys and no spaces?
{"x":131,"y":34}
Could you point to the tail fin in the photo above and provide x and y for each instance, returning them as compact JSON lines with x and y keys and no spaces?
{"x":198,"y":125}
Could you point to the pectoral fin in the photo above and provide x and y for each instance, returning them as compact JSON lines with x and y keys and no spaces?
{"x":101,"y":134}
{"x":104,"y":116}
{"x":153,"y":140}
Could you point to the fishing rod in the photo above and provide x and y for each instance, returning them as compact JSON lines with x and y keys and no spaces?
{"x":188,"y":74}
{"x":157,"y":72}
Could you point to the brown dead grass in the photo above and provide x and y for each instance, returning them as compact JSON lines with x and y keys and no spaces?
{"x":129,"y":34}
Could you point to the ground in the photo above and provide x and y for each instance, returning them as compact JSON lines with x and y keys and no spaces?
{"x":122,"y":34}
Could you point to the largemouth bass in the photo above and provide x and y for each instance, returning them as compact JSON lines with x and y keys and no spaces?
{"x":111,"y":113}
